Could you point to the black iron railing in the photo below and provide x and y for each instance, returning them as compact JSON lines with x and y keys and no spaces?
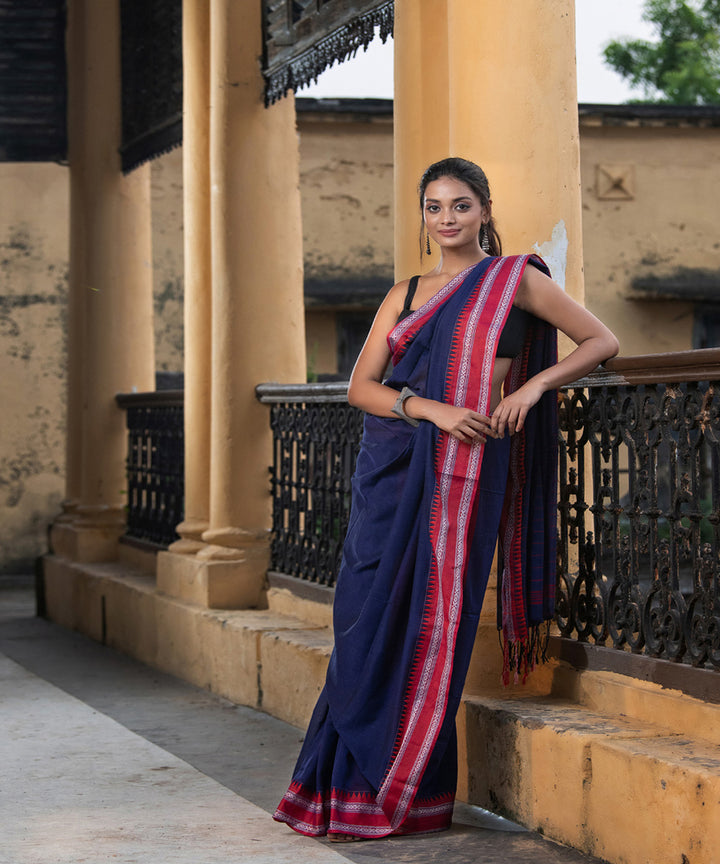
{"x":316,"y":436}
{"x":639,"y":502}
{"x":639,"y":496}
{"x":155,"y":465}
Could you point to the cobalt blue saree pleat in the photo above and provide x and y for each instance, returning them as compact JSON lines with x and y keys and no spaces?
{"x":379,"y":756}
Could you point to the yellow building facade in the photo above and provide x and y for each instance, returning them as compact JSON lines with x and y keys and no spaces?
{"x":649,"y":245}
{"x":202,"y":609}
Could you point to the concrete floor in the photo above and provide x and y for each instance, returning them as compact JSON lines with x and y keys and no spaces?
{"x":107,"y":760}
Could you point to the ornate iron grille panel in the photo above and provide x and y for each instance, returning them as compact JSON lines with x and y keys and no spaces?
{"x":302,"y":38}
{"x":155,"y":465}
{"x":639,"y":518}
{"x":316,"y":436}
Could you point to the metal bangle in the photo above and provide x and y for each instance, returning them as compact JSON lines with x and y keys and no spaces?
{"x":399,"y":407}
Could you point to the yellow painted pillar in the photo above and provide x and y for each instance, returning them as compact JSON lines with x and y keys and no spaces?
{"x":76,"y":318}
{"x":198,"y":273}
{"x":110,"y":287}
{"x":420,"y":118}
{"x":257,"y":308}
{"x":523,"y":126}
{"x":506,"y":98}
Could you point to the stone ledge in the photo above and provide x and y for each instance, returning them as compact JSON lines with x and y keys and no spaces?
{"x":606,"y":784}
{"x":697,"y":682}
{"x":311,"y":602}
{"x":223,"y":650}
{"x":643,"y":702}
{"x":294,"y":663}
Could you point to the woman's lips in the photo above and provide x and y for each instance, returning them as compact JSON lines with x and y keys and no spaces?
{"x":450,"y":232}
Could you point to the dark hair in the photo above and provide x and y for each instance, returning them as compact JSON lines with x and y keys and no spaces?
{"x":471,"y":175}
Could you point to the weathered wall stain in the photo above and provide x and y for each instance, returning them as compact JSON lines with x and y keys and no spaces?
{"x":18,"y":243}
{"x":33,"y":335}
{"x":168,"y":309}
{"x":167,"y":242}
{"x":346,"y":182}
{"x":554,"y":252}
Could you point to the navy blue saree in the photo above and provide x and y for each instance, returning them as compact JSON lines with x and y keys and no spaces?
{"x":379,"y":756}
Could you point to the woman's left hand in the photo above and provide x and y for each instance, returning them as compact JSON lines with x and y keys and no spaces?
{"x":511,"y":412}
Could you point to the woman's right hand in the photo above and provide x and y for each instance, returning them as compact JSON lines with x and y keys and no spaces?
{"x":462,"y":423}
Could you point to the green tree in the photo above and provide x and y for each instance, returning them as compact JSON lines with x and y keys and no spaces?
{"x":682,"y":67}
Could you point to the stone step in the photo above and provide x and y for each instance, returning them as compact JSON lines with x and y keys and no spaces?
{"x":256,"y":657}
{"x":643,"y":701}
{"x":604,"y":783}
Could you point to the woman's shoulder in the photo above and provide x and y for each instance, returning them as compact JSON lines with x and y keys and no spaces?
{"x":400,"y":287}
{"x":394,"y":301}
{"x":398,"y":292}
{"x":534,"y":283}
{"x":530,"y":258}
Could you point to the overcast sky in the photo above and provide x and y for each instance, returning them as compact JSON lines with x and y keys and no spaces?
{"x":598,"y":21}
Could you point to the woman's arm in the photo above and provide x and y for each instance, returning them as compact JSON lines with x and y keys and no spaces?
{"x":596,"y":343}
{"x":366,"y":389}
{"x":367,"y":392}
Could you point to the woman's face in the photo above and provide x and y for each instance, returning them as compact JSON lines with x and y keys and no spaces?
{"x":453,"y":213}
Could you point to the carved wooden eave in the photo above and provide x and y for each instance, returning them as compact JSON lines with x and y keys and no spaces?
{"x":302,"y":38}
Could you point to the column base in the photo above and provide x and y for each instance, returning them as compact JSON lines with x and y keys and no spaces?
{"x":236,"y":582}
{"x":69,"y":510}
{"x":88,"y":535}
{"x":190,"y":542}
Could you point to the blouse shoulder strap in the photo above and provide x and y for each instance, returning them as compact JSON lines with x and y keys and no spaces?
{"x":412,"y":288}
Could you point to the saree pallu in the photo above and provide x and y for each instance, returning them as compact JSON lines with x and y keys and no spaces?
{"x":379,"y":756}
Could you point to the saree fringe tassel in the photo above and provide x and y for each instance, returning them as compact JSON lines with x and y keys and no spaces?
{"x":522,"y":657}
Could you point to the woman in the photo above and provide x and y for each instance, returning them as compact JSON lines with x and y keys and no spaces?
{"x":459,"y":445}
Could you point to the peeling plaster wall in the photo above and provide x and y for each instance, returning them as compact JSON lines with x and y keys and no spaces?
{"x":321,"y":341}
{"x":34,"y":242}
{"x":346,"y":178}
{"x":661,"y":215}
{"x":167,"y":239}
{"x":33,"y":329}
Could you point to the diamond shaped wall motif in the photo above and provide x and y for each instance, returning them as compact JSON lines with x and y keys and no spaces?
{"x":615,"y":182}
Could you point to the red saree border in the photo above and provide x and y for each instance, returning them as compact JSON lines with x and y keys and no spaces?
{"x":457,"y":470}
{"x":514,"y":624}
{"x":522,"y":640}
{"x":309,"y":813}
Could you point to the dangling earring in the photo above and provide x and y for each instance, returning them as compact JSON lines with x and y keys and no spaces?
{"x":485,"y":239}
{"x":427,"y":242}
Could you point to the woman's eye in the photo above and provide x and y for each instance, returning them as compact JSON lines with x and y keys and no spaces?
{"x":432,"y":208}
{"x":463,"y":207}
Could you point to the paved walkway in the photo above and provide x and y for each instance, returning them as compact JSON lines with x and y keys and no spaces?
{"x":106,"y":760}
